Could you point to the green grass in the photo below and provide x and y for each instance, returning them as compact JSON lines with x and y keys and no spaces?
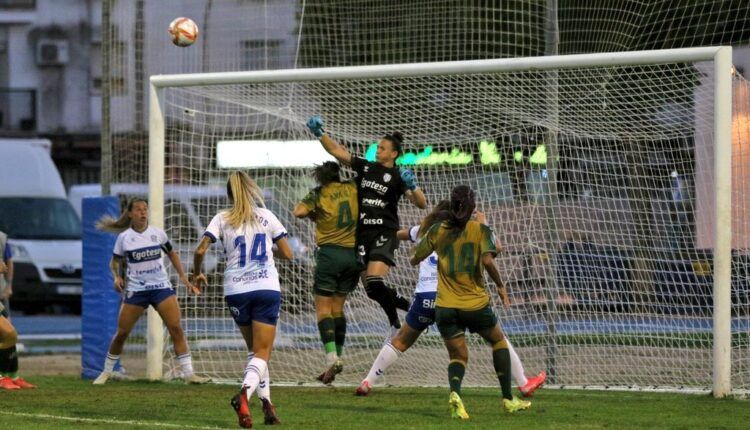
{"x":181,"y":406}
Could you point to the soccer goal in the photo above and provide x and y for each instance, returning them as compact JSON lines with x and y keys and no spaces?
{"x":607,"y":178}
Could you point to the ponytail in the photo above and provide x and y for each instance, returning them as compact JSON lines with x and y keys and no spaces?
{"x":462,"y":206}
{"x":245,"y":196}
{"x":112,"y":225}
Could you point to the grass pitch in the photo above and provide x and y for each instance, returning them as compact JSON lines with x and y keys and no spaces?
{"x":63,"y":402}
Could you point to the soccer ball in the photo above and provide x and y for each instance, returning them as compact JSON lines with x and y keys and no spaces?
{"x":183,"y":31}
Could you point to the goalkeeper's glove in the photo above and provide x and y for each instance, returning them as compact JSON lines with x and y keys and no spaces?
{"x":315,"y":124}
{"x":410,"y":180}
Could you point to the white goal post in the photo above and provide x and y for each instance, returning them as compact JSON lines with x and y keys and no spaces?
{"x":720,"y":57}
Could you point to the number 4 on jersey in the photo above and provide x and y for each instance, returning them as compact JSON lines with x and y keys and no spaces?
{"x":257,"y":251}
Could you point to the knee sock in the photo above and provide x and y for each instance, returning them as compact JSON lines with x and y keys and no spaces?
{"x":110,"y":362}
{"x":9,"y":362}
{"x":516,"y":367}
{"x":400,"y":301}
{"x":254,"y":371}
{"x":501,"y":363}
{"x":264,"y":386}
{"x":327,"y":329}
{"x":339,"y":321}
{"x":387,"y":356}
{"x":456,"y":370}
{"x":377,"y":290}
{"x":186,"y":364}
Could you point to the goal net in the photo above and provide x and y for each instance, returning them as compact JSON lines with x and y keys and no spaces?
{"x":596,"y":173}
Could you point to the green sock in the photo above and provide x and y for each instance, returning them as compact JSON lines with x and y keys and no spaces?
{"x":340,"y":336}
{"x":456,"y":370}
{"x":327,"y":329}
{"x":501,"y":362}
{"x":9,"y":362}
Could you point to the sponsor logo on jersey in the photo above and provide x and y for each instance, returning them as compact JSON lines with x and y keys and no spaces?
{"x":378,"y":221}
{"x":144,"y":254}
{"x":374,"y":202}
{"x":251,"y":276}
{"x":153,"y":238}
{"x":379,"y":188}
{"x":387,"y":177}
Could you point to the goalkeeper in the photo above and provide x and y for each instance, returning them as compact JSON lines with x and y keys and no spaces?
{"x":380,"y":185}
{"x":464,"y":247}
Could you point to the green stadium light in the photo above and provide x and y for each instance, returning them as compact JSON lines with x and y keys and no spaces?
{"x":539,"y":157}
{"x":488,"y":155}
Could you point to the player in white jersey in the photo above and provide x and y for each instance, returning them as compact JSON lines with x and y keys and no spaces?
{"x":248,"y":234}
{"x":139,"y":247}
{"x":422,"y":314}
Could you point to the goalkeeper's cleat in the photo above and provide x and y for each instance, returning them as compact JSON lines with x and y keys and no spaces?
{"x":22,"y":383}
{"x":533,"y":383}
{"x":196,"y":379}
{"x":8,"y":384}
{"x":269,"y":412}
{"x":240,"y":406}
{"x":457,"y":407}
{"x":330,"y":375}
{"x":515,"y":405}
{"x":363,"y":390}
{"x":102,"y":378}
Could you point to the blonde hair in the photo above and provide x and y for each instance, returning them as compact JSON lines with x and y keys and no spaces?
{"x":246,"y":196}
{"x":112,"y":225}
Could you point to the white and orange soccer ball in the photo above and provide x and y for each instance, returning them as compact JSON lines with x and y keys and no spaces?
{"x":183,"y":31}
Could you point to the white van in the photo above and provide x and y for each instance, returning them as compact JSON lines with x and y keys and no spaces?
{"x":43,"y":230}
{"x":187,"y":211}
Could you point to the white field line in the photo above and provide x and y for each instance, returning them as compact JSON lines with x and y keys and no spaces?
{"x":108,"y":421}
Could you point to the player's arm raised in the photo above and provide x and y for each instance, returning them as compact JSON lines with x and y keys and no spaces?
{"x":413,"y":192}
{"x":315,"y":125}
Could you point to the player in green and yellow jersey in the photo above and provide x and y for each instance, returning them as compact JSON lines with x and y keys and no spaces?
{"x":464,"y":248}
{"x":333,"y":208}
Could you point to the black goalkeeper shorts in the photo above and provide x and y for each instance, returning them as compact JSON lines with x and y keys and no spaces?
{"x":376,"y":245}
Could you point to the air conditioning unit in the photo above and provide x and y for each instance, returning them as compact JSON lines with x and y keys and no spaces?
{"x":52,"y":52}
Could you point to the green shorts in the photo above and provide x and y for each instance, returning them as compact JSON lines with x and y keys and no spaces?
{"x":453,"y":322}
{"x":336,"y":271}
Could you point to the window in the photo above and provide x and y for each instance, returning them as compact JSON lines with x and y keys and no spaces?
{"x":261,"y":54}
{"x":42,"y":218}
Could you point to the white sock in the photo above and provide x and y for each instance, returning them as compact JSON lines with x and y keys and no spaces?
{"x":387,"y":356}
{"x":109,"y":362}
{"x":254,"y":371}
{"x":264,"y":386}
{"x":186,"y":364}
{"x":516,"y":367}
